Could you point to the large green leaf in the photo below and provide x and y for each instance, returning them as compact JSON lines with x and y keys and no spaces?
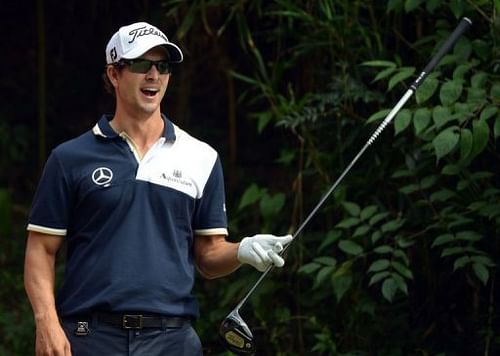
{"x":481,"y":272}
{"x":384,"y":74}
{"x":441,"y":115}
{"x":389,"y":288}
{"x":484,"y":260}
{"x":465,"y":143}
{"x":421,"y":120}
{"x":350,"y":247}
{"x":348,"y":223}
{"x":352,"y":208}
{"x":326,"y":260}
{"x":400,"y":283}
{"x":482,"y":48}
{"x":402,"y":269}
{"x":480,"y":136}
{"x":341,"y":285}
{"x":377,"y":277}
{"x":427,"y":89}
{"x":251,"y":195}
{"x":450,"y":251}
{"x":428,"y":181}
{"x":368,"y":212}
{"x":476,"y":96}
{"x":392,"y":225}
{"x":479,"y":79}
{"x":402,"y":120}
{"x":271,"y":205}
{"x":379,"y":265}
{"x":461,"y":262}
{"x":383,"y":249}
{"x":488,"y":112}
{"x":450,"y":92}
{"x":404,"y":73}
{"x":361,"y":230}
{"x":462,"y":69}
{"x":442,"y":195}
{"x":379,"y":115}
{"x":322,"y":275}
{"x":443,"y":239}
{"x":409,"y":188}
{"x":309,"y":268}
{"x":463,"y":47}
{"x":378,"y":217}
{"x":331,"y":237}
{"x":445,"y":142}
{"x":468,"y":236}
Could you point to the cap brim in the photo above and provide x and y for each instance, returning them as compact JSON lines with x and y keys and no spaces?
{"x":173,"y":50}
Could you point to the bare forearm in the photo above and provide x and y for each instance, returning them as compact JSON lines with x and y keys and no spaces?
{"x":218,"y":258}
{"x":39,"y":281}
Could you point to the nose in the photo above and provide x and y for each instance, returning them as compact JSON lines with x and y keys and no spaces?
{"x":153,"y":73}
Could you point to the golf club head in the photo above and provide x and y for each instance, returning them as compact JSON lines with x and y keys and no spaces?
{"x":236,"y":334}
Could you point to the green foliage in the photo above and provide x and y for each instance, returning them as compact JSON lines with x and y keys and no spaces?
{"x":407,"y":245}
{"x":420,"y":209}
{"x":16,"y":320}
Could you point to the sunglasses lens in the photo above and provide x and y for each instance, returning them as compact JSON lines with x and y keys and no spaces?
{"x":140,"y":66}
{"x":163,"y":67}
{"x":144,"y":65}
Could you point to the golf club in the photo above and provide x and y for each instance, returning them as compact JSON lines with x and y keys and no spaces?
{"x":235,"y":333}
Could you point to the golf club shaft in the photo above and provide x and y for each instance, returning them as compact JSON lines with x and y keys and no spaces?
{"x":445,"y":48}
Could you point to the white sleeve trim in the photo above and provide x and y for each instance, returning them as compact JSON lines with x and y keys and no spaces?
{"x":210,"y":232}
{"x":46,"y":230}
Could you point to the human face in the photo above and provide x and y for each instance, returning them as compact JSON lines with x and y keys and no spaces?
{"x":140,"y":94}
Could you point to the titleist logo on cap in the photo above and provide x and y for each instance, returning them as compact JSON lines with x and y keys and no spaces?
{"x":145,"y":31}
{"x":134,"y":40}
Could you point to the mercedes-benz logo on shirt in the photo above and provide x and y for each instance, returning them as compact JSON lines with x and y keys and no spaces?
{"x":102,"y":176}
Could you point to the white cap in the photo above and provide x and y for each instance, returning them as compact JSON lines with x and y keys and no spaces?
{"x":134,"y":40}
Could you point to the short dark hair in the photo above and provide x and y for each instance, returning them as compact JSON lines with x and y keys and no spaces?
{"x":108,"y":86}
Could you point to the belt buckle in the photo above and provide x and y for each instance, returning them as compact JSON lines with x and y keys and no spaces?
{"x":132,"y":321}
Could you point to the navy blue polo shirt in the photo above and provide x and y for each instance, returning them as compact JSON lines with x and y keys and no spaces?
{"x":129,"y":223}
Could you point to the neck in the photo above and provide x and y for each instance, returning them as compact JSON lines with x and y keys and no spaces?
{"x":144,"y":131}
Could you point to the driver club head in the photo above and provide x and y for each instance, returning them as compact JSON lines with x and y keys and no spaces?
{"x":236,"y":334}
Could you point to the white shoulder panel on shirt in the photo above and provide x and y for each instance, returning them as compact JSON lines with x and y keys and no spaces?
{"x":184,"y":165}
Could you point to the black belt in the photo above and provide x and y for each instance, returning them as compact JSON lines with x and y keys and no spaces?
{"x":139,"y":321}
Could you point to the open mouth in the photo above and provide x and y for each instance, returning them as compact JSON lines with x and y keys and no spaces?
{"x":149,"y":92}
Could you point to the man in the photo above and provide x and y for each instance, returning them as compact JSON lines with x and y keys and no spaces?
{"x":140,"y":203}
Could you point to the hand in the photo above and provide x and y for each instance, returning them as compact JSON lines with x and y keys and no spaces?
{"x":51,"y":340}
{"x":262,"y":250}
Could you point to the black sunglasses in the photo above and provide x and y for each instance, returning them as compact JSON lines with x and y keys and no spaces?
{"x":141,"y":65}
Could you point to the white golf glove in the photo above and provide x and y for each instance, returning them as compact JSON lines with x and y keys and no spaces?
{"x":262,"y":250}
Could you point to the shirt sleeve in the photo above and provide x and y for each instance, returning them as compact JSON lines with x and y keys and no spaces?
{"x":52,"y":201}
{"x":210,"y":214}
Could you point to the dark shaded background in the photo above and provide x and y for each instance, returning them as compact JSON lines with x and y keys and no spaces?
{"x":52,"y":61}
{"x":76,"y":34}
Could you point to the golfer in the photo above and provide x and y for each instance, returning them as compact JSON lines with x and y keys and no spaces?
{"x":139,"y":204}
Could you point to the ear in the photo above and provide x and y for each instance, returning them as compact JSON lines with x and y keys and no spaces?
{"x":113,"y":75}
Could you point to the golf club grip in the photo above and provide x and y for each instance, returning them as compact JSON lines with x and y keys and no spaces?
{"x":445,"y":48}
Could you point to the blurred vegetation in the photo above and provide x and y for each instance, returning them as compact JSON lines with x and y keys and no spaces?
{"x":402,"y":259}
